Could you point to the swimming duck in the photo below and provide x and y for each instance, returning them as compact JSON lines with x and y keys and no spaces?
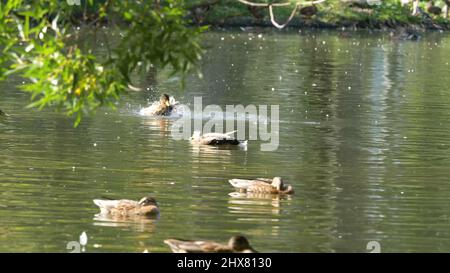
{"x":236,"y":244}
{"x":147,"y":206}
{"x":163,"y":108}
{"x":215,"y":139}
{"x":262,"y":185}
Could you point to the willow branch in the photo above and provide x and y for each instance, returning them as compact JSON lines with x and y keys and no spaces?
{"x":270,"y":6}
{"x":272,"y":17}
{"x":249,"y":3}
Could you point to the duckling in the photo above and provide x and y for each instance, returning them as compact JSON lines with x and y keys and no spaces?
{"x":262,"y":185}
{"x":215,"y":139}
{"x":236,"y":244}
{"x":432,"y":9}
{"x":147,"y":206}
{"x":163,"y":108}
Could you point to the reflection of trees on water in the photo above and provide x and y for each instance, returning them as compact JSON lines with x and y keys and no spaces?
{"x":258,"y":209}
{"x":160,"y":125}
{"x":349,"y":168}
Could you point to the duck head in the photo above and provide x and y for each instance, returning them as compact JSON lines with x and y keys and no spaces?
{"x":240,"y":243}
{"x":277,"y":183}
{"x":148,"y":201}
{"x":164,"y":100}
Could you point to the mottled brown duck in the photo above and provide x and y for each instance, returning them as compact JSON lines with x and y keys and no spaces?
{"x":262,"y":185}
{"x":236,"y":244}
{"x":147,"y":206}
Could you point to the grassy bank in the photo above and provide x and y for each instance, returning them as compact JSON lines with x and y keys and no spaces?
{"x":332,"y":13}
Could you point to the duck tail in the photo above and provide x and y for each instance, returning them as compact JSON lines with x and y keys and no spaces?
{"x":240,"y":183}
{"x":104,"y":205}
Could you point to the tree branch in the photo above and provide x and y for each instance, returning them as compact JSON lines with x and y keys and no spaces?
{"x":270,"y":7}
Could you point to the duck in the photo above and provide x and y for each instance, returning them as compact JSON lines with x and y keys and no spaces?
{"x":147,"y":206}
{"x":216,"y":139}
{"x":162,"y":108}
{"x":262,"y":185}
{"x":432,"y":9}
{"x":236,"y":244}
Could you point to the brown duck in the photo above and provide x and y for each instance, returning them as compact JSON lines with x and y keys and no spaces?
{"x":262,"y":185}
{"x":236,"y":244}
{"x":163,"y":108}
{"x":147,"y":206}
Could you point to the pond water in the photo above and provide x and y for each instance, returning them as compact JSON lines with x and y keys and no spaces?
{"x":364,"y":140}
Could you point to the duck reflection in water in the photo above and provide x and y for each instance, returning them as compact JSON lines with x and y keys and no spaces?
{"x":206,"y":150}
{"x":255,"y":203}
{"x":139,"y":215}
{"x":160,"y":124}
{"x":137,"y":223}
{"x":257,"y":209}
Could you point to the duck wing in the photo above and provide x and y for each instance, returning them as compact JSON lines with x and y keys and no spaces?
{"x":241,"y":183}
{"x":156,"y":109}
{"x":185,"y":246}
{"x":261,"y":187}
{"x":107,"y":205}
{"x":245,"y":184}
{"x":267,"y":180}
